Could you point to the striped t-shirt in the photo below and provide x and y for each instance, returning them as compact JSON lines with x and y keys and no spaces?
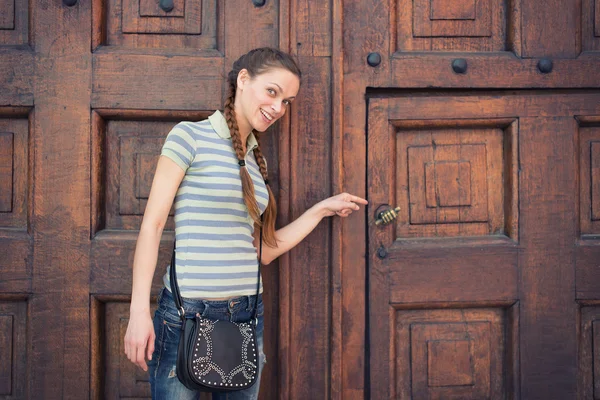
{"x":215,"y":256}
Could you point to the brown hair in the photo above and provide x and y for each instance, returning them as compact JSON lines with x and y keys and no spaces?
{"x":256,"y":62}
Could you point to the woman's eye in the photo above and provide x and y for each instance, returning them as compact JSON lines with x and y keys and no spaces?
{"x":287,"y":102}
{"x":271,"y":91}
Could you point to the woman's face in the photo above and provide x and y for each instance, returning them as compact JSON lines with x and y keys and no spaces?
{"x":264,"y":98}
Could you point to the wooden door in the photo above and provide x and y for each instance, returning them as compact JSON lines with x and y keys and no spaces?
{"x":473,"y":285}
{"x":89,"y":90}
{"x":485,"y":286}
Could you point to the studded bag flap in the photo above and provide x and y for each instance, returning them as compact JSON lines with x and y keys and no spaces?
{"x":216,"y":355}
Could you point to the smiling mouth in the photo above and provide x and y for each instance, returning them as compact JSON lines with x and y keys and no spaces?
{"x":267,"y":115}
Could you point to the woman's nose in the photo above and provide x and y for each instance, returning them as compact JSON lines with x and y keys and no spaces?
{"x":277,"y":106}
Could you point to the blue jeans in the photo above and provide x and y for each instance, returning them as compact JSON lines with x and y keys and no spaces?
{"x":167,"y":326}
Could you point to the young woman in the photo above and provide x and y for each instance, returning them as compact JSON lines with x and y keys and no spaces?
{"x":216,"y":174}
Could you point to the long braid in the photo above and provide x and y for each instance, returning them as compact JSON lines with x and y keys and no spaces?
{"x":255,"y":62}
{"x":270,"y":214}
{"x":247,"y":184}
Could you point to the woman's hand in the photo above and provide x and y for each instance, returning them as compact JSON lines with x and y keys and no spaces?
{"x":342,"y":205}
{"x":139,"y":339}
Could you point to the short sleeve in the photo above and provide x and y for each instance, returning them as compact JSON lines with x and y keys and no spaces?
{"x":180,"y":146}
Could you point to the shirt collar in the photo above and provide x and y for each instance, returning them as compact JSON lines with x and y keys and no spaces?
{"x":219,"y":124}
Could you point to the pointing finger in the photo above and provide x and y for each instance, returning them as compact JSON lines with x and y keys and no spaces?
{"x":360,"y":200}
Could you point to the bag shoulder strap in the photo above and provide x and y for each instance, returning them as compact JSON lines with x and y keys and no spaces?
{"x":259,"y":264}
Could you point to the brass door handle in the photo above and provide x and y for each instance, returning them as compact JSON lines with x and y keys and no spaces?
{"x":387,"y":216}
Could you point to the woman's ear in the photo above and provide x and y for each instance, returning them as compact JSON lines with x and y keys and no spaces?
{"x":242,"y":78}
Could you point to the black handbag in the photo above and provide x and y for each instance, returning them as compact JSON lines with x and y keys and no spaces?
{"x":215,"y":355}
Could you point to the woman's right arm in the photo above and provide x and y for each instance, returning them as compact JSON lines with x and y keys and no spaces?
{"x":139,"y":339}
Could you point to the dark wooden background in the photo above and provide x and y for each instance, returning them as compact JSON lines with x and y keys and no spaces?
{"x":481,"y":121}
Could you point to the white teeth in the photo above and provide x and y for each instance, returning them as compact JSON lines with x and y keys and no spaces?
{"x":266,"y":115}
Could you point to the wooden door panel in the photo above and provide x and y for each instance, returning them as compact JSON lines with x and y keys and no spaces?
{"x":131,"y":151}
{"x":13,"y":347}
{"x":131,"y":81}
{"x":449,"y":280}
{"x":14,"y":177}
{"x":589,"y":351}
{"x":14,"y":23}
{"x":434,"y":25}
{"x":506,"y":259}
{"x":15,"y":192}
{"x":125,"y":151}
{"x":16,"y":99}
{"x":16,"y":80}
{"x":450,"y":178}
{"x":113,"y":375}
{"x":475,"y":342}
{"x":191,"y":25}
{"x":589,"y":159}
{"x":547,"y":222}
{"x":454,"y":271}
{"x":588,"y":249}
{"x":419,"y":41}
{"x":587,"y":256}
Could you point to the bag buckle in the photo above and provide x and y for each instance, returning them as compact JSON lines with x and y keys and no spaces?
{"x":181,"y":313}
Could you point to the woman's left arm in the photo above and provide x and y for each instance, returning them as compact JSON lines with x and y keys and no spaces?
{"x":290,"y":235}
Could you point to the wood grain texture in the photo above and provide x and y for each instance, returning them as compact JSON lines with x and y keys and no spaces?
{"x":380,"y":183}
{"x":551,"y":28}
{"x":496,"y":70}
{"x":590,"y":25}
{"x":284,"y":202}
{"x":14,"y":23}
{"x":192,"y":27}
{"x":7,"y":19}
{"x":264,"y":27}
{"x":498,"y":105}
{"x":112,"y":258}
{"x":309,"y":261}
{"x":447,"y":280}
{"x":6,"y":171}
{"x":545,"y":248}
{"x":16,"y":77}
{"x":122,"y":379}
{"x":59,"y":329}
{"x":6,"y":352}
{"x":15,"y":171}
{"x":13,"y":348}
{"x":311,"y":33}
{"x":451,"y":353}
{"x":269,"y":389}
{"x":438,"y":26}
{"x":156,"y":82}
{"x":587,"y":264}
{"x":16,"y":262}
{"x":589,"y":177}
{"x":366,"y":29}
{"x":425,"y":272}
{"x":589,"y":350}
{"x":337,"y":170}
{"x":548,"y":228}
{"x":77,"y":59}
{"x":423,"y":190}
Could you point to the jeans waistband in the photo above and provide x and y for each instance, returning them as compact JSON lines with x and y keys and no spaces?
{"x":199,"y":305}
